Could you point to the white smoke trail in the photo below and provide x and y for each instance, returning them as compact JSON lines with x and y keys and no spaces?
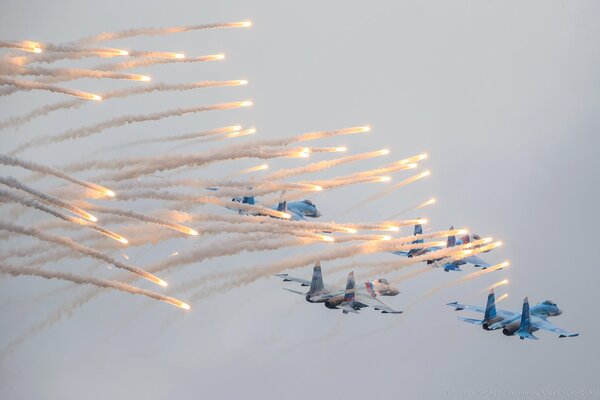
{"x":68,"y":73}
{"x":30,"y":85}
{"x":86,"y":131}
{"x":15,"y":184}
{"x":145,"y":218}
{"x":137,"y":90}
{"x":187,"y":136}
{"x":321,"y":165}
{"x":88,"y":280}
{"x":88,"y":251}
{"x":151,"y":165}
{"x":149,"y":61}
{"x":45,"y":170}
{"x":105,"y":36}
{"x":376,"y":196}
{"x":4,"y":195}
{"x":164,"y":195}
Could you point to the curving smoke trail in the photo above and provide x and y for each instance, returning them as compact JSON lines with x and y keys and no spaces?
{"x":164,"y":195}
{"x":149,"y":61}
{"x":137,"y":90}
{"x":46,"y":198}
{"x":68,"y":73}
{"x":31,"y":85}
{"x":187,"y":136}
{"x":398,"y":185}
{"x":88,"y":280}
{"x":321,"y":165}
{"x":105,"y":36}
{"x":45,"y":170}
{"x":81,"y":249}
{"x":86,"y":131}
{"x":27,"y":202}
{"x":151,"y":165}
{"x":145,"y":218}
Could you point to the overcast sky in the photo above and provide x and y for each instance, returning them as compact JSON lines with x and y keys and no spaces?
{"x":504,"y":98}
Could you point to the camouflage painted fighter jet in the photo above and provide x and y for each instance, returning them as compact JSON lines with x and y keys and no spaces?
{"x":351,"y":299}
{"x":512,"y":323}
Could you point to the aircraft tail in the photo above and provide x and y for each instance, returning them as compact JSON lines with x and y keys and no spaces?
{"x":451,"y":241}
{"x":350,"y":293}
{"x":418,"y":231}
{"x":282,"y":206}
{"x":524,"y":331}
{"x":490,"y":308}
{"x":316,"y":284}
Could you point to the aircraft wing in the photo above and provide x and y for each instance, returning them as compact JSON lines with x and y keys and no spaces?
{"x":503,"y":313}
{"x":375,"y":303}
{"x":296,"y":215}
{"x":287,"y":278}
{"x":477,"y":261}
{"x":544,"y":324}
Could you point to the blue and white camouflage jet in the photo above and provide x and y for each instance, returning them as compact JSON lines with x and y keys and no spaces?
{"x":298,"y":210}
{"x":351,"y":299}
{"x":522,"y":324}
{"x":450,"y":242}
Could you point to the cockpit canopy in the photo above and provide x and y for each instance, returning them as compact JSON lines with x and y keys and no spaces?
{"x":549,"y":303}
{"x":308,"y":202}
{"x":383,"y":280}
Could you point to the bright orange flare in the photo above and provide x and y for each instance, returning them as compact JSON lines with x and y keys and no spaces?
{"x":392,"y":228}
{"x":242,"y":24}
{"x":238,"y":133}
{"x":384,"y":178}
{"x":283,"y":215}
{"x":327,"y":238}
{"x":183,"y":305}
{"x":87,"y":96}
{"x":162,"y":283}
{"x":141,"y":78}
{"x":341,"y":149}
{"x":504,"y":296}
{"x":254,"y":169}
{"x":497,"y":284}
{"x":385,"y":237}
{"x":346,"y":229}
{"x":88,"y":216}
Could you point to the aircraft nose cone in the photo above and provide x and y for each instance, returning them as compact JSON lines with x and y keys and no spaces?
{"x":318,"y":214}
{"x":394,"y":291}
{"x":559,"y":312}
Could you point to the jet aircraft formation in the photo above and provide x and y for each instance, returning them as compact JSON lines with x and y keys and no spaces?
{"x":131,"y":177}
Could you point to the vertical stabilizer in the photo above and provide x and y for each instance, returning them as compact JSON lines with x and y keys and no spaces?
{"x":490,"y":308}
{"x":316,"y":284}
{"x":282,"y":206}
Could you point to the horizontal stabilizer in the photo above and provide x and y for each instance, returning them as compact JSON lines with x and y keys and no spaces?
{"x":571,"y":335}
{"x":527,"y":335}
{"x":471,"y":321}
{"x":457,"y":307}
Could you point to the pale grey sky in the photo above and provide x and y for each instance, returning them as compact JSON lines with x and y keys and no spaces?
{"x":503,"y":96}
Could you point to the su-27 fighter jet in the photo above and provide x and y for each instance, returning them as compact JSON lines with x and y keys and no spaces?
{"x":450,"y":242}
{"x":349,"y":300}
{"x":298,"y":210}
{"x":520,"y":324}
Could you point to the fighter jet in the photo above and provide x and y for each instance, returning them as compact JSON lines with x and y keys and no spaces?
{"x":349,"y":300}
{"x":298,"y":210}
{"x":450,"y":242}
{"x":520,"y":324}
